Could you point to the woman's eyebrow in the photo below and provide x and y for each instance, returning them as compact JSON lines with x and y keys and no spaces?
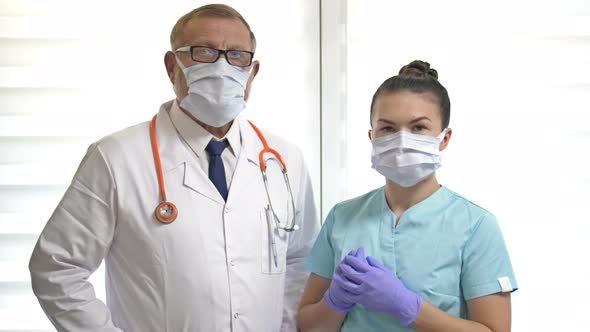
{"x":386,"y":121}
{"x":420,"y":119}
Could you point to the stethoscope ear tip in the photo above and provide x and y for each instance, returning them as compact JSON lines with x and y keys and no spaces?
{"x":295,"y":227}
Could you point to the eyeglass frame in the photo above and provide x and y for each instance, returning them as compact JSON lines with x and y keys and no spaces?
{"x":189,"y":49}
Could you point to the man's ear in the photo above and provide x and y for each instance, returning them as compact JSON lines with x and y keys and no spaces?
{"x":253,"y":73}
{"x":445,"y":141}
{"x":170,"y":63}
{"x":370,"y":133}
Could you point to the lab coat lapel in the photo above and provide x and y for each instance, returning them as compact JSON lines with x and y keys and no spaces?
{"x":174,"y":152}
{"x":196,"y":179}
{"x":247,"y":168}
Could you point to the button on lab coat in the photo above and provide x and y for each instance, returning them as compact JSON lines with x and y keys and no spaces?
{"x":210,"y":270}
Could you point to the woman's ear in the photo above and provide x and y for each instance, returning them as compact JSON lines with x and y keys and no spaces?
{"x":445,"y":141}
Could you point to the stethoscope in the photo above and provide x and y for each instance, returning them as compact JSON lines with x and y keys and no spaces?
{"x":166,"y":212}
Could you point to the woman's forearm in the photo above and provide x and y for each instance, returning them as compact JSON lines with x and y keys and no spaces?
{"x":318,"y":317}
{"x":432,"y":319}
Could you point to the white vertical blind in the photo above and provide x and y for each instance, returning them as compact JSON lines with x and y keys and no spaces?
{"x":518,"y":74}
{"x":334,"y":103}
{"x":72,"y":71}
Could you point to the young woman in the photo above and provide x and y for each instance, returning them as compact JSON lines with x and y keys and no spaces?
{"x":413,"y":255}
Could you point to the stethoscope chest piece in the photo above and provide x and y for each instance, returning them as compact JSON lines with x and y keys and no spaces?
{"x":166,"y":212}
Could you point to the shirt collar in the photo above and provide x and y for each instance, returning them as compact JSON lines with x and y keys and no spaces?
{"x":438,"y":200}
{"x":197,"y":137}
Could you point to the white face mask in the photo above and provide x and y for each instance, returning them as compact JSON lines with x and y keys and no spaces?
{"x":215,"y":91}
{"x":406,"y":158}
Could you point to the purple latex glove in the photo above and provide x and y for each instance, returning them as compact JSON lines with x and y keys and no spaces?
{"x":377,"y":288}
{"x":336,"y":297}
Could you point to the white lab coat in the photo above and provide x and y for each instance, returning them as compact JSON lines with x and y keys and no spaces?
{"x":208,"y":271}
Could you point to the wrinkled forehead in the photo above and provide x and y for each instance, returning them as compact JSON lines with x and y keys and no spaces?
{"x":215,"y":31}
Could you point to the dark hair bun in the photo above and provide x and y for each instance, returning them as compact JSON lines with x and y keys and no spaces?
{"x":418,"y":68}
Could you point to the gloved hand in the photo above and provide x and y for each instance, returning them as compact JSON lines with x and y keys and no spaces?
{"x":375,"y":287}
{"x":336,"y":297}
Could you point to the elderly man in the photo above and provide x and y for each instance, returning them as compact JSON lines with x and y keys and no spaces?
{"x":225,"y":246}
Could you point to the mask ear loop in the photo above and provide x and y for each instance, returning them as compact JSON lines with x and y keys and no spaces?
{"x":179,"y":63}
{"x":166,"y":212}
{"x":441,"y":136}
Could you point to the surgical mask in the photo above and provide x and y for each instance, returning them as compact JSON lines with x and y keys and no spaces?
{"x":215,"y":92}
{"x":406,"y":158}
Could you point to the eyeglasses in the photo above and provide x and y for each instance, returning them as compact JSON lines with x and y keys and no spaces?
{"x":206,"y":54}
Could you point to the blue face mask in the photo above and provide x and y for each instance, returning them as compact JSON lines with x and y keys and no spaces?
{"x":215,"y":92}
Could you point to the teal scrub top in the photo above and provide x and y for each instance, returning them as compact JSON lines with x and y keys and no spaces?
{"x":445,"y":248}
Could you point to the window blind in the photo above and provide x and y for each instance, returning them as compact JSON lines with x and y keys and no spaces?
{"x":34,"y":159}
{"x":72,"y":71}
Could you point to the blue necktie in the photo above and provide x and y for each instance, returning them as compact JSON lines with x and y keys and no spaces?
{"x":216,"y":169}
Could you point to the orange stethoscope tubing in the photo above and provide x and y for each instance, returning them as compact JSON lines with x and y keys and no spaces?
{"x":266,"y":149}
{"x":166,"y":212}
{"x":290,"y":226}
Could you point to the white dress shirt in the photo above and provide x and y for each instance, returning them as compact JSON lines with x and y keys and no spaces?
{"x":197,"y":138}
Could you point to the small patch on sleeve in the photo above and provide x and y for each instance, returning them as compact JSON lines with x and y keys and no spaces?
{"x":505,"y":284}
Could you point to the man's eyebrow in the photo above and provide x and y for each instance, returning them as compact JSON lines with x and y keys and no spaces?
{"x":238,"y":48}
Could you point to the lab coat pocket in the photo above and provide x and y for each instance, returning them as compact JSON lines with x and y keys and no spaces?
{"x":274,"y":243}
